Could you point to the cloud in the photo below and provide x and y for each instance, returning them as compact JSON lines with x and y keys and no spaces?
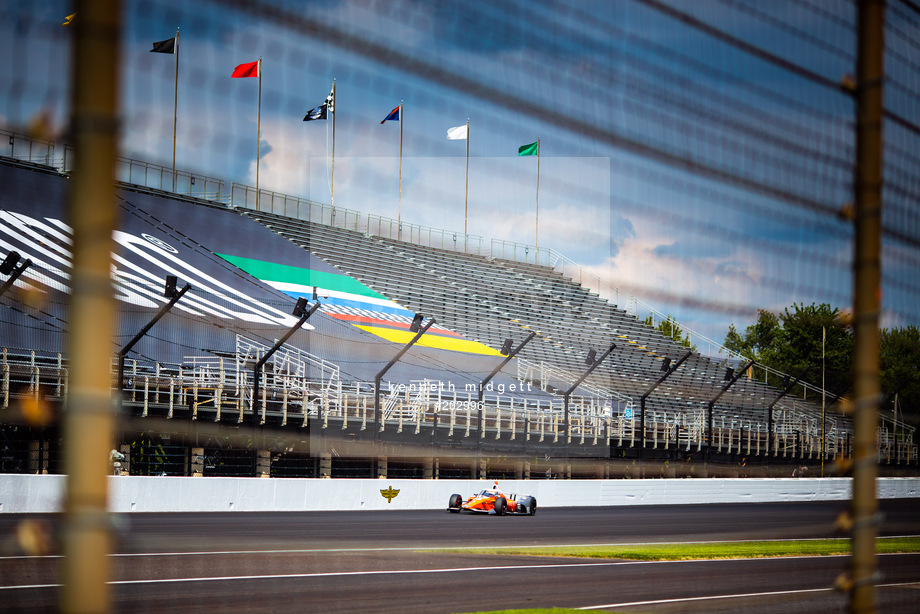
{"x":287,"y":156}
{"x":647,"y":265}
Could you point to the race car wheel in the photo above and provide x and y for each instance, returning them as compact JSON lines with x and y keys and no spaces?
{"x":500,"y":506}
{"x":454,"y":505}
{"x":532,"y":508}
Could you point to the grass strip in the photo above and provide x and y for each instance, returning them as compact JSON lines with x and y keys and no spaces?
{"x":713,"y":550}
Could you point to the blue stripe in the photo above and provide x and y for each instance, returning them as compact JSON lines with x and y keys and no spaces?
{"x":370,"y":308}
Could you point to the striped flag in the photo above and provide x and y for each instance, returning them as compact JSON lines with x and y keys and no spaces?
{"x":393,"y":115}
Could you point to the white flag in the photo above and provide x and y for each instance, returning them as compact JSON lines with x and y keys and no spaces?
{"x":457,"y":134}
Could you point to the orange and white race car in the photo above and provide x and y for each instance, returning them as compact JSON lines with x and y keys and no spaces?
{"x":494,"y":501}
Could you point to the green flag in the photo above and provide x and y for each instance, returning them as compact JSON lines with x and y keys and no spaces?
{"x":529,"y":150}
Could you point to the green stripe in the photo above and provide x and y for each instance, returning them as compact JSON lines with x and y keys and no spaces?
{"x":271,"y":271}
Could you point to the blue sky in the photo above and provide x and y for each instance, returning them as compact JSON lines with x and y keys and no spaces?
{"x":602,"y":84}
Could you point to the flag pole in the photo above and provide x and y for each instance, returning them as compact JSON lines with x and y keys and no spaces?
{"x":402,"y":118}
{"x":175,"y":113}
{"x":258,"y":133}
{"x":332,"y":176}
{"x":537,"y":229}
{"x":466,"y":202}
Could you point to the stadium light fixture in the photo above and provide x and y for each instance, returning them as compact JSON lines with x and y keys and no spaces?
{"x":788,"y":385}
{"x":509,"y":354}
{"x":9,"y":263}
{"x":731,"y":376}
{"x":646,"y":394}
{"x":174,"y":296}
{"x":593,"y":364}
{"x":301,"y":312}
{"x":12,"y":266}
{"x":169,"y":291}
{"x":416,"y":323}
{"x":300,"y":307}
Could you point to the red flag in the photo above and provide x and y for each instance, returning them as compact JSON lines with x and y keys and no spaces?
{"x":250,"y":69}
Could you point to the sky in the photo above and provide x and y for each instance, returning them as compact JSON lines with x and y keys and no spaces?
{"x":693,"y":159}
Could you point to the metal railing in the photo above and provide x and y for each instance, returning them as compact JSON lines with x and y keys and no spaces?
{"x":292,"y":206}
{"x":206,"y":384}
{"x":425,"y":236}
{"x":34,"y":150}
{"x":520,"y":252}
{"x":547,"y":375}
{"x":158,"y":177}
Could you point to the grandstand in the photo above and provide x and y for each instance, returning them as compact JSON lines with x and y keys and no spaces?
{"x":188,"y":397}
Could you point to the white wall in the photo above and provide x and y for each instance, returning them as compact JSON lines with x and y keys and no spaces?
{"x":44,"y":493}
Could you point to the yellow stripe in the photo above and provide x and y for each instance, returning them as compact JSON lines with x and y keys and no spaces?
{"x":432,"y":341}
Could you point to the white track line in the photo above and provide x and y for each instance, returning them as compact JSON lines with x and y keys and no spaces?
{"x":390,"y":572}
{"x":633,"y":604}
{"x":333,"y":574}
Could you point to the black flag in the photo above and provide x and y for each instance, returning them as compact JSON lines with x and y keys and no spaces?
{"x":167,"y":46}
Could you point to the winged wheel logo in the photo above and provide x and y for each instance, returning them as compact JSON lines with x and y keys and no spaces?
{"x":389,"y":493}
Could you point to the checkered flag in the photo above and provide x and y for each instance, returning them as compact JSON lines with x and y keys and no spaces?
{"x":330,"y":100}
{"x":323,"y":110}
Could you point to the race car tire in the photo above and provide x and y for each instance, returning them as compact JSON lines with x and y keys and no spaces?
{"x":532,"y":508}
{"x":454,"y":505}
{"x":501,"y":506}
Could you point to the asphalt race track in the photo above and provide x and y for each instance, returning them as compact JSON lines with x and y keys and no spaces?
{"x":378,"y":562}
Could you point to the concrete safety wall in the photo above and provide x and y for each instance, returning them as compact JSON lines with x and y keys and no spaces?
{"x":44,"y":493}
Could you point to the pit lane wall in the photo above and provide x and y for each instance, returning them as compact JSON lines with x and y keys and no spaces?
{"x":44,"y":493}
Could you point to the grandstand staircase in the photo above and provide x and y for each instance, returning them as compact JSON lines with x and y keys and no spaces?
{"x":303,"y":380}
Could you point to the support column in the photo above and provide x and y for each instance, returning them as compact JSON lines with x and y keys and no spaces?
{"x":870,"y":76}
{"x":38,"y":458}
{"x":264,"y":463}
{"x":381,"y":466}
{"x":88,"y":420}
{"x":125,"y":449}
{"x":325,"y":465}
{"x":197,"y":468}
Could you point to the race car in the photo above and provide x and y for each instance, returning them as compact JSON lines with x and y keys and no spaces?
{"x":493,"y":501}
